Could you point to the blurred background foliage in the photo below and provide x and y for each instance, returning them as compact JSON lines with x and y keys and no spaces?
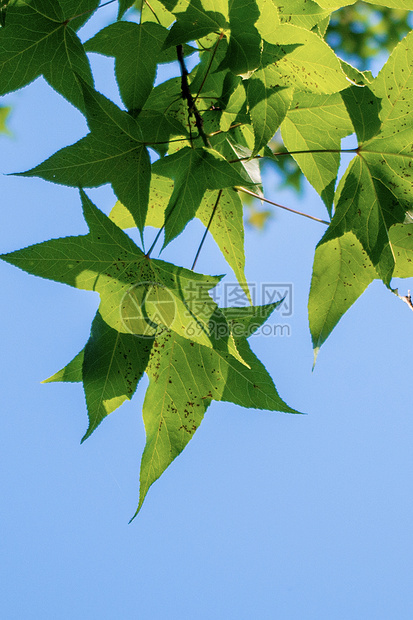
{"x":359,"y":34}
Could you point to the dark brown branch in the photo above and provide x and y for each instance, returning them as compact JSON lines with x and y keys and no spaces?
{"x":186,"y":94}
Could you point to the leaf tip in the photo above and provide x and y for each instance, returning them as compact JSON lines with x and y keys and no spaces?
{"x":141,"y":500}
{"x":316,"y":351}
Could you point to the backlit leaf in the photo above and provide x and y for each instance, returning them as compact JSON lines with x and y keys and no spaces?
{"x":341,"y":273}
{"x":378,"y":187}
{"x":138,"y":295}
{"x":303,"y":61}
{"x":268,"y":104}
{"x":136,"y":49}
{"x":184,"y":378}
{"x":317,"y":123}
{"x":49,"y":47}
{"x":113,"y":364}
{"x":193,"y":171}
{"x":113,"y":152}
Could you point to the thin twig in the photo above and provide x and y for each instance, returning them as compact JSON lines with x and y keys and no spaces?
{"x":316,"y":151}
{"x":207,"y":229}
{"x":209,"y":66}
{"x":154,"y":14}
{"x":215,"y":133}
{"x":158,"y":234}
{"x":169,"y":141}
{"x":283,"y":153}
{"x":89,"y":11}
{"x":275,"y":204}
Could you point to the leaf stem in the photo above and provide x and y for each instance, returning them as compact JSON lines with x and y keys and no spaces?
{"x":153,"y":12}
{"x":207,"y":229}
{"x":282,"y":153}
{"x":275,"y":204}
{"x":89,"y":11}
{"x":158,"y":234}
{"x":209,"y":66}
{"x":215,"y":133}
{"x":316,"y":151}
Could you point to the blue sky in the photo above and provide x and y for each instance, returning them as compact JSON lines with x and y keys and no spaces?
{"x":264,"y":515}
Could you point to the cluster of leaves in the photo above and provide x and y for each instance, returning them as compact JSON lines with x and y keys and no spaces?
{"x":263,"y":67}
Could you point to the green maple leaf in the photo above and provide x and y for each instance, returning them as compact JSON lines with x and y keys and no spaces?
{"x":244,"y":46}
{"x":303,"y":60}
{"x":157,"y":13}
{"x":401,"y":238}
{"x":71,"y":373}
{"x":341,"y":273}
{"x":239,"y":144}
{"x":138,"y":295}
{"x":332,"y":5}
{"x":304,"y":13}
{"x":195,"y":22}
{"x":38,"y":40}
{"x":226,"y":227}
{"x":184,"y":377}
{"x":269,"y":17}
{"x":113,"y":152}
{"x":193,"y":171}
{"x":317,"y":123}
{"x":183,"y":380}
{"x":268,"y":104}
{"x":233,"y":102}
{"x":137,"y":49}
{"x":124,"y":5}
{"x":110,"y":367}
{"x":377,"y":188}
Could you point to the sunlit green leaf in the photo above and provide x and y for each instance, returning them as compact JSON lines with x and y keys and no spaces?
{"x":317,"y":123}
{"x":378,"y":187}
{"x":341,"y":273}
{"x":136,"y":49}
{"x":184,"y":379}
{"x":268,"y":104}
{"x":244,"y":48}
{"x":49,"y":47}
{"x":113,"y":365}
{"x":193,"y":171}
{"x":303,"y":60}
{"x":113,"y":152}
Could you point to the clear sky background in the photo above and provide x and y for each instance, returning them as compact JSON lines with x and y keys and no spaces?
{"x":264,"y":515}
